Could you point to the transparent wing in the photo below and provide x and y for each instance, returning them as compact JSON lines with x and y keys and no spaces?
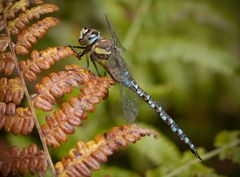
{"x":119,"y":71}
{"x":116,"y":64}
{"x":129,"y":102}
{"x":114,"y":35}
{"x":117,"y":67}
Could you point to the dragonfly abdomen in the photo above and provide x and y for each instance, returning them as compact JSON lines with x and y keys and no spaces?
{"x":164,"y":116}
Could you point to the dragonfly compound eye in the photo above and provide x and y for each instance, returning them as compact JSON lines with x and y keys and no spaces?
{"x":93,"y":37}
{"x":83,"y":31}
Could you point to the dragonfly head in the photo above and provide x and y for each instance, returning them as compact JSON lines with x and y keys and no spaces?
{"x":88,"y":36}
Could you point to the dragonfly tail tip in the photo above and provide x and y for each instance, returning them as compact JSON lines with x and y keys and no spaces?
{"x":198,"y":156}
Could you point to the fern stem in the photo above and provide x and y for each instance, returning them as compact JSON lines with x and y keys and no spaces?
{"x":135,"y":27}
{"x":205,"y":157}
{"x":34,"y":115}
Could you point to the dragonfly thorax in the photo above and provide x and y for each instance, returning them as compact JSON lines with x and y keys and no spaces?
{"x":101,"y":51}
{"x":88,"y":36}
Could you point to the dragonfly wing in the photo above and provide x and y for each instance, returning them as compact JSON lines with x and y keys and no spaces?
{"x":129,"y":102}
{"x":118,"y":68}
{"x":114,"y":35}
{"x":119,"y":71}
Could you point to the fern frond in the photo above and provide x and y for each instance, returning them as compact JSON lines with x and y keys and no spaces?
{"x":23,"y":19}
{"x":1,"y":22}
{"x":73,"y":113}
{"x":6,"y":63}
{"x":57,"y":84}
{"x":86,"y":156}
{"x":4,"y":42}
{"x":41,"y":60}
{"x":18,"y":161}
{"x":11,"y":8}
{"x":20,"y":120}
{"x":11,"y":90}
{"x":29,"y":36}
{"x":16,"y":120}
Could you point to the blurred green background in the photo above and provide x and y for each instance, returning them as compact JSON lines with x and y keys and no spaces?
{"x":183,"y":53}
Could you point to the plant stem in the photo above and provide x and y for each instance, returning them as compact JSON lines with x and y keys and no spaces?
{"x":135,"y":27}
{"x":34,"y":115}
{"x":204,"y":157}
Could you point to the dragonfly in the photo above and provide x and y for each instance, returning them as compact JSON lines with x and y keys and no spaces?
{"x":108,"y":54}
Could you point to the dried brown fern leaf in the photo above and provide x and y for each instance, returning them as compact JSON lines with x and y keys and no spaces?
{"x":18,"y":161}
{"x":7,"y":109}
{"x":4,"y":146}
{"x":73,"y":113}
{"x":1,"y":22}
{"x":11,"y":90}
{"x":4,"y":42}
{"x":16,"y":120}
{"x":6,"y":63}
{"x":29,"y":36}
{"x":7,"y":3}
{"x":21,"y":22}
{"x":86,"y":156}
{"x":57,"y":84}
{"x":42,"y":60}
{"x":11,"y":8}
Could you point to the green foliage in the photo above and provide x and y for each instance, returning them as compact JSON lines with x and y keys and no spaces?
{"x":118,"y":172}
{"x":148,"y":150}
{"x":226,"y":137}
{"x":197,"y":169}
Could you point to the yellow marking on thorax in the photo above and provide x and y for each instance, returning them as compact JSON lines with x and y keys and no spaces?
{"x":102,"y":51}
{"x":104,"y":63}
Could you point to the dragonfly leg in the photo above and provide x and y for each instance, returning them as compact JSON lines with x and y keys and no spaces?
{"x":96,"y":67}
{"x":78,"y":54}
{"x":72,"y":47}
{"x":77,"y":47}
{"x":87,"y":62}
